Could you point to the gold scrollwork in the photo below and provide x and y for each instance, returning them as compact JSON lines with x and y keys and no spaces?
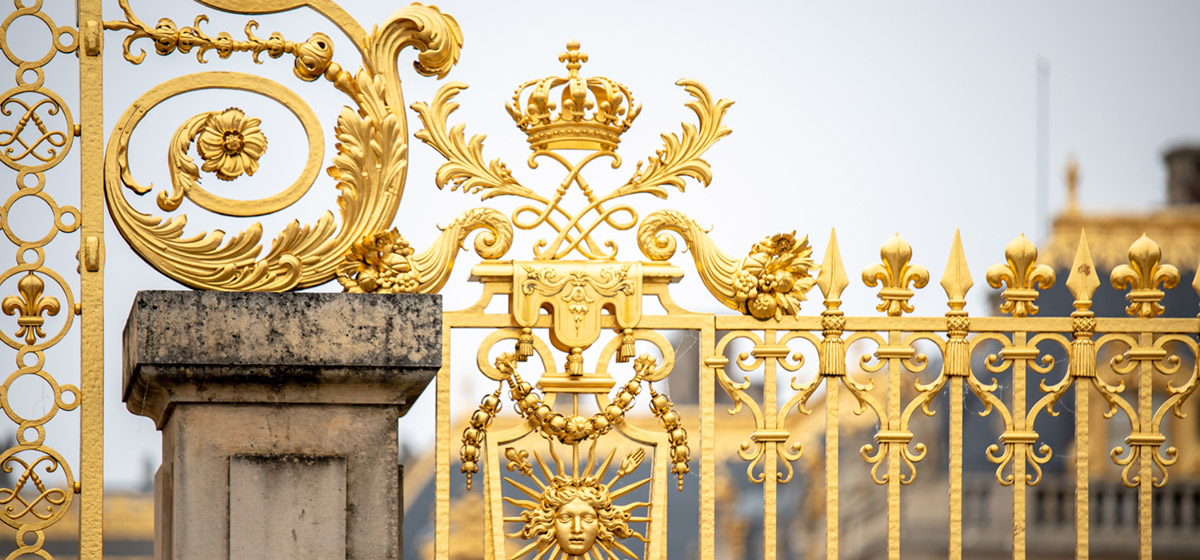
{"x":370,"y":165}
{"x":769,"y":283}
{"x":679,"y":158}
{"x":383,"y":262}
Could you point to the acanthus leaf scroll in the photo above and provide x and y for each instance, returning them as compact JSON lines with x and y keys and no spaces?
{"x":370,"y":166}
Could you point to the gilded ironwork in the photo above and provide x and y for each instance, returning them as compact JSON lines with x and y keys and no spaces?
{"x":369,"y":167}
{"x":574,"y":306}
{"x":574,"y":128}
{"x":38,"y":132}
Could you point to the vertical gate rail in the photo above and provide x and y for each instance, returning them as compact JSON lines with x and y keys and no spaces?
{"x":40,"y":130}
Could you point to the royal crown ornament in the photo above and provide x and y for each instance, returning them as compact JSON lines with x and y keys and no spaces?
{"x":592,"y":112}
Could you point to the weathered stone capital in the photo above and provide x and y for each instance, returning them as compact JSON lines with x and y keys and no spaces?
{"x":243,"y":347}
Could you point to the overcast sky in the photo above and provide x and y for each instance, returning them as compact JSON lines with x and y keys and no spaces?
{"x":874,"y":118}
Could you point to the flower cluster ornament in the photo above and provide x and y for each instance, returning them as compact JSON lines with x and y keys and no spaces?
{"x":380,"y":263}
{"x":230,"y":144}
{"x":772,"y":280}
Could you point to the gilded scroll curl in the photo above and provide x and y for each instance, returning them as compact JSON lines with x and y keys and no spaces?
{"x":369,"y":168}
{"x":768,"y":283}
{"x":384,"y":262}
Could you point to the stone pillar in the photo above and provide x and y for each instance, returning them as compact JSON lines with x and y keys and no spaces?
{"x":278,"y":415}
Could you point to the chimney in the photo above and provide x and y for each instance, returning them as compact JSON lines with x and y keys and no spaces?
{"x":1183,"y":175}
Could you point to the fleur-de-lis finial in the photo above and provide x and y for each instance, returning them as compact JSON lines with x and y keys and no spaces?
{"x":1142,"y":276}
{"x":1083,"y":279}
{"x":895,"y":274}
{"x":1023,"y":276}
{"x":30,"y":305}
{"x":832,"y":278}
{"x":956,"y":280}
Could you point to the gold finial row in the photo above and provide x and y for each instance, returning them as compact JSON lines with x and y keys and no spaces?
{"x":1021,"y":272}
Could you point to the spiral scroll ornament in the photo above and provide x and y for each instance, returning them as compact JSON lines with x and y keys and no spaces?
{"x":370,"y":165}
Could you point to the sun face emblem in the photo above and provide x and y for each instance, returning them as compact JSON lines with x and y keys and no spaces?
{"x":574,"y":516}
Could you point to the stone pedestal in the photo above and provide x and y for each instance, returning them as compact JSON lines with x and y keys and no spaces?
{"x":278,"y":414}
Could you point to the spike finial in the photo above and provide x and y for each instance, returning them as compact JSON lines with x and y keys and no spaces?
{"x":956,"y":280}
{"x":1083,"y":279}
{"x":832,"y":279}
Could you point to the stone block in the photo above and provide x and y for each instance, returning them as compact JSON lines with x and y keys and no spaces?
{"x":278,"y":414}
{"x":197,"y":346}
{"x":287,"y":506}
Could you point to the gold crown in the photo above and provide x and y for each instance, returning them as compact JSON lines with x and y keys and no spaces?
{"x":577,"y":126}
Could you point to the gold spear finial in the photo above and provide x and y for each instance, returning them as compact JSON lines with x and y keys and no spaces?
{"x":956,"y":280}
{"x":1083,"y":279}
{"x":832,"y":279}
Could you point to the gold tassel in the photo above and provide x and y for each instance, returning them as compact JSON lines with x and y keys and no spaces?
{"x":525,"y":344}
{"x":627,"y":347}
{"x":575,"y":362}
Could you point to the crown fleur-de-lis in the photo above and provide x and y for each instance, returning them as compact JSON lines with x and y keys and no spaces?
{"x":1023,"y":276}
{"x":30,"y":305}
{"x":573,"y":57}
{"x":895,"y":274}
{"x":1142,"y":276}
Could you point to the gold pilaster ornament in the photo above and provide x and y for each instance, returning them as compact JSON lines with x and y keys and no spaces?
{"x":38,"y":130}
